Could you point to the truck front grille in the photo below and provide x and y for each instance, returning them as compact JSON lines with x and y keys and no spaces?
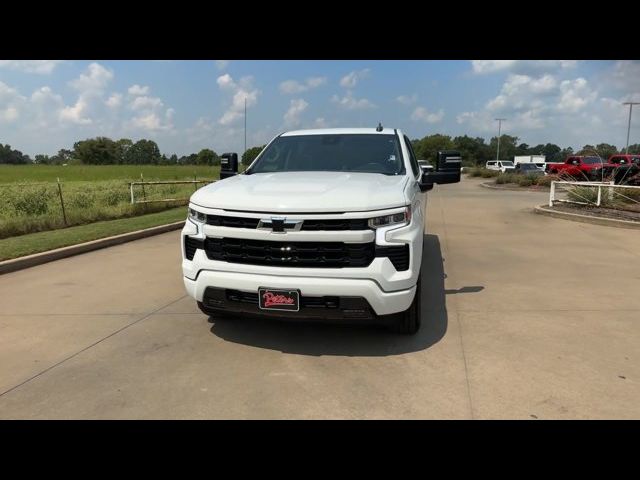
{"x":308,"y":224}
{"x":290,"y":254}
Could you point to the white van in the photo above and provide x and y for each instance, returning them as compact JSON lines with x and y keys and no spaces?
{"x":501,"y":165}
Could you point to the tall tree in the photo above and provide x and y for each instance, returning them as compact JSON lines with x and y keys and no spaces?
{"x":96,"y":151}
{"x":143,"y":152}
{"x":207,"y":156}
{"x":250,"y":155}
{"x":427,"y":147}
{"x":507,"y":146}
{"x":605,"y":150}
{"x":473,"y":150}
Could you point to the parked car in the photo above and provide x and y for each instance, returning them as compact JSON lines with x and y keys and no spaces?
{"x":500,"y":165}
{"x":324,"y":224}
{"x":537,"y":160}
{"x":528,"y":169}
{"x":581,"y":167}
{"x":627,"y":168}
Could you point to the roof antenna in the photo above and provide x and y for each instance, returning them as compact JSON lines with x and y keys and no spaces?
{"x":379,"y":128}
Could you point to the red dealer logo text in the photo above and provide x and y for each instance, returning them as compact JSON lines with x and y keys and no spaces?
{"x":271,"y":299}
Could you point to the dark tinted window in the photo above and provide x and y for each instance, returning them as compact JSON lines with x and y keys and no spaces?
{"x":373,"y":153}
{"x":591,"y":160}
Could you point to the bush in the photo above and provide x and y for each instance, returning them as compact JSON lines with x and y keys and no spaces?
{"x":525,"y":181}
{"x":545,"y":180}
{"x":31,"y":202}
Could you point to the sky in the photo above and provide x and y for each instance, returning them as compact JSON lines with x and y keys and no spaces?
{"x":46,"y":105}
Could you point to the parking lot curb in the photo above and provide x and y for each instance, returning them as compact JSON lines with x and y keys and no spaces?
{"x":513,"y":189}
{"x":19,"y":263}
{"x":576,"y":217}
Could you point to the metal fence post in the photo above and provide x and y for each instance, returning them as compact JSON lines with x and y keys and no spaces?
{"x":552,"y":193}
{"x":599,"y":196}
{"x":64,"y":214}
{"x":195,"y":182}
{"x":131,"y":187}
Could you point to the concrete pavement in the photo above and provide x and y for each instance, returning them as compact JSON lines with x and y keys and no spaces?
{"x":526,"y":317}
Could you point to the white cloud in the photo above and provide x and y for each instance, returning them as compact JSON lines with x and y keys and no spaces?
{"x":351,"y":79}
{"x":423,"y":115}
{"x":11,"y":102}
{"x":241,"y":91}
{"x":407,"y":100}
{"x":150,"y":114}
{"x":145,"y":103}
{"x":293,"y":86}
{"x":94,"y":80}
{"x":114,"y":101}
{"x":138,"y":90}
{"x":575,"y":95}
{"x":90,"y":85}
{"x":520,"y":66}
{"x":42,"y":67}
{"x":77,"y":113}
{"x":222,"y":64}
{"x":292,"y":115}
{"x":320,"y":122}
{"x":350,"y":103}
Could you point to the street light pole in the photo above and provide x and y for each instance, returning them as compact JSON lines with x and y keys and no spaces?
{"x":245,"y":124}
{"x":499,"y":120}
{"x":631,"y":104}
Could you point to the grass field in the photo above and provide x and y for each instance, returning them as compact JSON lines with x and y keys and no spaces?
{"x":43,"y":241}
{"x":92,"y":173}
{"x":30,"y":199}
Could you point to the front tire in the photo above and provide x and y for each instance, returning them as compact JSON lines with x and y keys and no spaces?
{"x":408,"y":322}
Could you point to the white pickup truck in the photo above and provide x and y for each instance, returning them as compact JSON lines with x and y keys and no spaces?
{"x":324,"y":224}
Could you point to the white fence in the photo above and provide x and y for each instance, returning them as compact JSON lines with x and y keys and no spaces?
{"x":577,"y":190}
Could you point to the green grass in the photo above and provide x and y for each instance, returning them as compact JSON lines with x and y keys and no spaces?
{"x":42,"y":241}
{"x":74,"y":173}
{"x":37,"y":208}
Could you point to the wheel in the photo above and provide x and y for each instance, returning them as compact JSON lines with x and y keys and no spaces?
{"x":408,"y":322}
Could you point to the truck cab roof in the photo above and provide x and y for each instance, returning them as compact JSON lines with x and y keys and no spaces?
{"x":340,"y":131}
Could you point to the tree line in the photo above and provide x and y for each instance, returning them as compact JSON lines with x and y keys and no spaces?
{"x":474,"y":150}
{"x":105,"y":151}
{"x":477,"y":151}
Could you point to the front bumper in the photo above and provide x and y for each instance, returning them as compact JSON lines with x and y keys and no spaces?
{"x":382,"y":303}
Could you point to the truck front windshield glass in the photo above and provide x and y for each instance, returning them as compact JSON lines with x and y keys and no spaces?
{"x":371,"y":153}
{"x":592,"y":160}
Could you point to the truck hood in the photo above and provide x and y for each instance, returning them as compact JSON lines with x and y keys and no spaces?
{"x":289,"y":192}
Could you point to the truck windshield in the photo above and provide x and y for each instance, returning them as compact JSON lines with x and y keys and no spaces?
{"x":592,"y":160}
{"x":371,"y":153}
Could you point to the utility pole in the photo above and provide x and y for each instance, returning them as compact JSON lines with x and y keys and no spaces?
{"x":245,"y":124}
{"x":631,"y":104}
{"x":499,"y":120}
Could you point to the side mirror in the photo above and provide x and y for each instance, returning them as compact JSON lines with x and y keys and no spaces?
{"x":228,"y":165}
{"x":447,"y":170}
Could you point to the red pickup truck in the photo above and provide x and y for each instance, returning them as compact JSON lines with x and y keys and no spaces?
{"x":627,"y":168}
{"x":582,"y":167}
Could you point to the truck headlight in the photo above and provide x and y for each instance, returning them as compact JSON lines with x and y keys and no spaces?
{"x":401,"y":218}
{"x":197,"y":216}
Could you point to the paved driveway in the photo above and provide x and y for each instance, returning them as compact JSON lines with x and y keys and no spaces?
{"x":527,"y":317}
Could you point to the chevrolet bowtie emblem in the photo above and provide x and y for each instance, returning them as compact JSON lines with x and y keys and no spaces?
{"x":279,"y":224}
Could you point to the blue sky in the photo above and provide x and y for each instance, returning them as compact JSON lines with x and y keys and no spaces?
{"x":188,"y":105}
